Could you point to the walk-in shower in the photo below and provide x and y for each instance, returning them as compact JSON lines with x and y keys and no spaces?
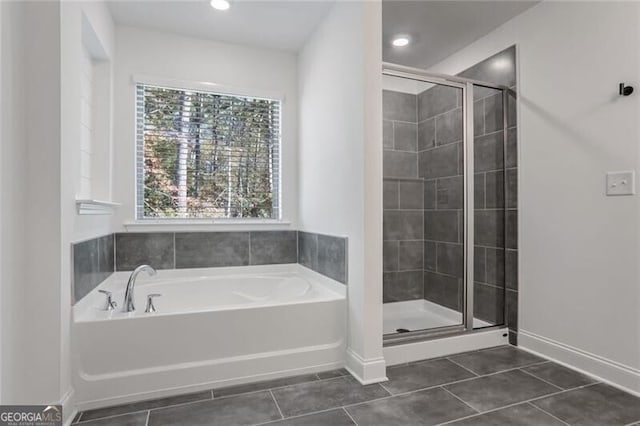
{"x":448,"y":190}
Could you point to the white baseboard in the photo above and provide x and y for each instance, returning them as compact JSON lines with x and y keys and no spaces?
{"x":614,"y":373}
{"x":417,"y":351}
{"x":366,"y":371}
{"x":69,"y":409}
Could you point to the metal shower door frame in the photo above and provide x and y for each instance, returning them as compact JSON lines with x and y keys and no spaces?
{"x":466,"y":85}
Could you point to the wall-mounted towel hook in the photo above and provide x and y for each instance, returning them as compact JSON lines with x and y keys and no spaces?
{"x":625,"y":90}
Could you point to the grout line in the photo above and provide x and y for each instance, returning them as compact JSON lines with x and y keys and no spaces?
{"x":349,"y":415}
{"x":539,"y":378}
{"x":546,"y":412}
{"x":146,"y":423}
{"x":276,"y":402}
{"x":512,"y":405}
{"x":387,"y":390}
{"x":212,"y":395}
{"x":462,"y":366}
{"x":459,"y":399}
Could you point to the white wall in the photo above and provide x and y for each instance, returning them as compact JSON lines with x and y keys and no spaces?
{"x":340,"y":162}
{"x":31,"y":346}
{"x":77,"y":19}
{"x":12,"y":185}
{"x":172,"y":57}
{"x":579,"y":250}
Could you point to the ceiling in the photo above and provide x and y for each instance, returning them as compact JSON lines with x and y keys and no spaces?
{"x":284,"y":25}
{"x":438,"y":29}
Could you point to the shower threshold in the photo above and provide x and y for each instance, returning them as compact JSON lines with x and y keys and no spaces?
{"x":414,"y":315}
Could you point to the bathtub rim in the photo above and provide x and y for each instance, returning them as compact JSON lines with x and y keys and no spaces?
{"x":333,"y":290}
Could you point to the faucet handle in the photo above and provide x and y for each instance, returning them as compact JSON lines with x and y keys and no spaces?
{"x":110,"y":305}
{"x":150,"y":308}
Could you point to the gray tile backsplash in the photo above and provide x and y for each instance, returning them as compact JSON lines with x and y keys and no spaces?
{"x":94,"y":260}
{"x":211,"y":249}
{"x":92,"y":263}
{"x":273,"y":247}
{"x":152,"y":248}
{"x":324,"y":254}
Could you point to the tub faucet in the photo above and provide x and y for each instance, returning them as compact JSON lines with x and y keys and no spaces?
{"x":127,"y":305}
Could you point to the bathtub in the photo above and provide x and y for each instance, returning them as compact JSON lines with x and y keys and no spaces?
{"x":213,"y":327}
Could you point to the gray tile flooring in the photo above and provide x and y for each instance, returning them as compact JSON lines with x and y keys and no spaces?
{"x":497,"y":386}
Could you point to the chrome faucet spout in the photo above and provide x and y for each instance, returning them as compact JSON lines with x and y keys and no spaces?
{"x":128,"y":305}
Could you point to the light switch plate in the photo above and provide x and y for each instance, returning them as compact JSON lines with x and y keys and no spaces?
{"x":621,"y":183}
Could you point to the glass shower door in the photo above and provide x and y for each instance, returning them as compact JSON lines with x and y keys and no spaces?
{"x":424,"y":201}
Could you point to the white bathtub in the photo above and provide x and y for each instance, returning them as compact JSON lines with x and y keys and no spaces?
{"x":214,"y":327}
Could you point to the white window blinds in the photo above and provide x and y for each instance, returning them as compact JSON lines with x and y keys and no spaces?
{"x":205,"y":155}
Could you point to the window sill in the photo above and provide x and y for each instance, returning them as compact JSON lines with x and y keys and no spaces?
{"x":205,"y":225}
{"x":93,"y":207}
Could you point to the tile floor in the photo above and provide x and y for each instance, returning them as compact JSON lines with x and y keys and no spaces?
{"x":498,"y":386}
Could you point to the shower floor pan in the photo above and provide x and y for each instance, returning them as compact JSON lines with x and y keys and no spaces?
{"x":412,"y":315}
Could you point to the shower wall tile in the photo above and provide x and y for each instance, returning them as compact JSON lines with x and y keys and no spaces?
{"x":439,"y":162}
{"x":308,"y":249}
{"x":512,"y":188}
{"x":273,"y":247}
{"x":488,"y":303}
{"x":479,"y":264}
{"x":451,"y":259}
{"x":410,"y":255}
{"x":400,"y":164}
{"x":488,"y":152}
{"x":211,"y":249}
{"x":493,"y":113}
{"x":495,"y":267}
{"x":400,"y":286}
{"x":441,"y":225}
{"x":479,"y":190}
{"x":478,"y":117}
{"x":450,"y":193}
{"x":390,"y":256}
{"x":430,"y":194}
{"x":405,"y":136}
{"x":150,"y":248}
{"x":443,"y":290}
{"x":411,"y":195}
{"x":427,"y":134}
{"x":489,"y":228}
{"x":430,"y":256}
{"x":391,"y":194}
{"x":512,"y":147}
{"x":512,"y":229}
{"x":399,"y":106}
{"x":387,"y":134}
{"x":512,"y":309}
{"x":449,"y":127}
{"x":437,"y":100}
{"x":494,"y":187}
{"x":511,"y":269}
{"x":402,"y":225}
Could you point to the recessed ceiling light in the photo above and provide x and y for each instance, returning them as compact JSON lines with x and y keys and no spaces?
{"x":400,"y":41}
{"x":220,"y":4}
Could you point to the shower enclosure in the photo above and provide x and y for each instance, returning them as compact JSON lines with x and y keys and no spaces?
{"x":445,"y":204}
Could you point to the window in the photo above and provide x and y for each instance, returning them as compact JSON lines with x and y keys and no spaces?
{"x":203,"y":155}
